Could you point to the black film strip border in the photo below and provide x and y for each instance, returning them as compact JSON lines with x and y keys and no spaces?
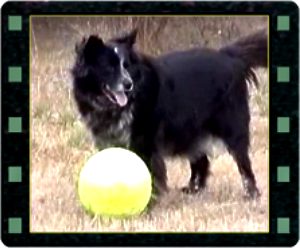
{"x":284,"y":170}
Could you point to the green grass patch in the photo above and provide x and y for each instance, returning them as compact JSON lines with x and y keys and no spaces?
{"x":78,"y":136}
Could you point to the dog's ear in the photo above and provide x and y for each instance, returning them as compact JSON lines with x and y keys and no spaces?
{"x":94,"y":43}
{"x":92,"y":47}
{"x":80,"y":45}
{"x":128,"y":39}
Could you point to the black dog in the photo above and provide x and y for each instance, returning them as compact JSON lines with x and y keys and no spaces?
{"x":169,"y":105}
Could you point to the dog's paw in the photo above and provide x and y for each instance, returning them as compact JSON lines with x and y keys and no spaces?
{"x":252,"y":195}
{"x":191,"y":189}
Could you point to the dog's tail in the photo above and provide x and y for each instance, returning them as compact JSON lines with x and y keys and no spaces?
{"x":252,"y":49}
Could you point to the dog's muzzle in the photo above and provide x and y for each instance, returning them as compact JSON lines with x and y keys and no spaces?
{"x":127,"y":80}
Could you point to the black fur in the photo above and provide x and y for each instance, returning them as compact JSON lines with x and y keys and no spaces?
{"x":176,"y":102}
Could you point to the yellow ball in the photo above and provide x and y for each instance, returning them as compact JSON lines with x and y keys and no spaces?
{"x":115,"y":182}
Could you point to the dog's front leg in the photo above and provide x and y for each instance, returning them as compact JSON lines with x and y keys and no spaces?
{"x":159,"y":173}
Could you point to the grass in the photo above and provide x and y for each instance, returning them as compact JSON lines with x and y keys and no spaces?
{"x":61,"y":145}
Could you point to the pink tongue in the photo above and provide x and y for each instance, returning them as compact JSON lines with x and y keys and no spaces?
{"x":121,"y":98}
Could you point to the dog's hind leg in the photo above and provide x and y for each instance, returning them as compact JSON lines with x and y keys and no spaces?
{"x":232,"y":125}
{"x":199,"y":174}
{"x":239,"y":150}
{"x":235,"y":134}
{"x":236,"y":138}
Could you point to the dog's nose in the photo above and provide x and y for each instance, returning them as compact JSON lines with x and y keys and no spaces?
{"x":128,"y":85}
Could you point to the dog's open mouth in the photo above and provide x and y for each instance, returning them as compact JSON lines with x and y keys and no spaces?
{"x":116,"y":97}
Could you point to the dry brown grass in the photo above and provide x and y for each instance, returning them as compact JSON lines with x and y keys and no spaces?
{"x":60,"y":145}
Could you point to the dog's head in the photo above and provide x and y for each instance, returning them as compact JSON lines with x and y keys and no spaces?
{"x":102,"y":72}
